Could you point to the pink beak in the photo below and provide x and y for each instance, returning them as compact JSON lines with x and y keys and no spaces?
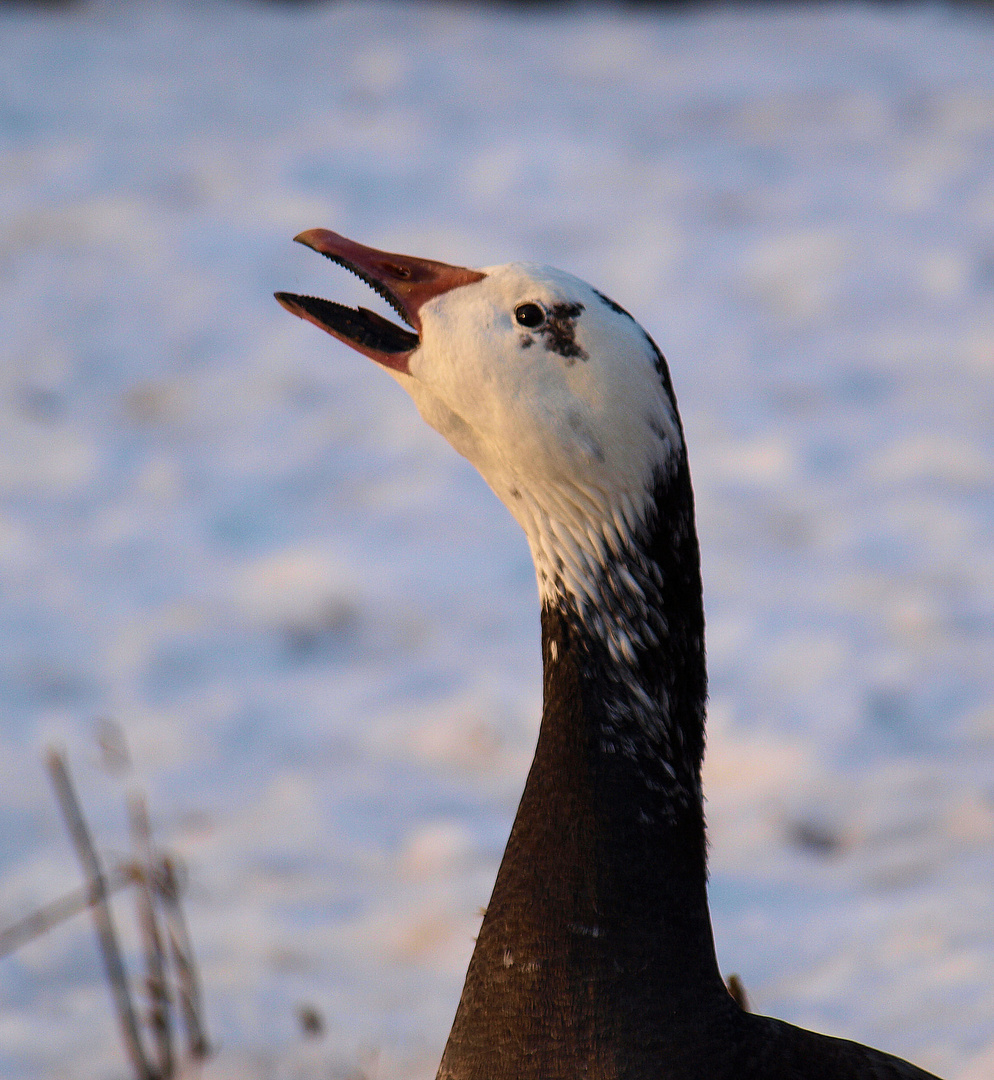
{"x":406,"y":283}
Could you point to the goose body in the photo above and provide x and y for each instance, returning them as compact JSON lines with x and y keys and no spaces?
{"x":596,"y":957}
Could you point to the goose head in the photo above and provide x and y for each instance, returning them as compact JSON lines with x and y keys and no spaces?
{"x":553,"y":392}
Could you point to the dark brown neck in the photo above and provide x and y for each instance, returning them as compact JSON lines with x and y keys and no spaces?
{"x":596,"y":948}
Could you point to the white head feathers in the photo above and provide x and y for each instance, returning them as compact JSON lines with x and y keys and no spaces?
{"x":553,"y":393}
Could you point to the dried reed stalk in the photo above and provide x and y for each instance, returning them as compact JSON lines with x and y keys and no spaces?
{"x":159,"y":1019}
{"x":181,"y":954}
{"x":41,"y":921}
{"x":96,"y":885}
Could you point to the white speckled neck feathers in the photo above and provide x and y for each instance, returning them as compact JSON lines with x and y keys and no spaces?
{"x":639,"y":627}
{"x":588,"y":554}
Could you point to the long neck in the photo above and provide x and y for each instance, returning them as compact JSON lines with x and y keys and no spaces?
{"x":597,"y":947}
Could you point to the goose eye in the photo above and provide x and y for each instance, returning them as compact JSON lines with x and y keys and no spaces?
{"x":530,"y":315}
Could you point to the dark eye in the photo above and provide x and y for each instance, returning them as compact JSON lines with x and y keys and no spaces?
{"x":530,"y":315}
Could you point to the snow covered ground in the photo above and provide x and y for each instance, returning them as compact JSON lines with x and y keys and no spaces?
{"x":317,"y":627}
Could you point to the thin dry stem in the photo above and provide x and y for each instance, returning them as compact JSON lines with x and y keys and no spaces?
{"x":96,"y":885}
{"x":41,"y":921}
{"x":181,"y":952}
{"x":159,"y":1017}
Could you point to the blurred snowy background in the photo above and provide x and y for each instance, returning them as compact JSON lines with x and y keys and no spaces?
{"x":319,"y":630}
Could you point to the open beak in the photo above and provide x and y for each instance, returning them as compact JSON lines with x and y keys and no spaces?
{"x":406,"y":283}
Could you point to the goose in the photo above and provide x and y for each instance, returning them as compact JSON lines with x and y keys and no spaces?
{"x":596,"y":956}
